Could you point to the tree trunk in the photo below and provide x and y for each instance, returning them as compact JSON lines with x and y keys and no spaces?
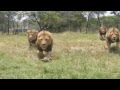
{"x":8,"y":23}
{"x":117,"y":24}
{"x":87,"y":26}
{"x":2,"y":29}
{"x":24,"y":27}
{"x":13,"y":27}
{"x":2,"y":26}
{"x":99,"y":22}
{"x":39,"y":24}
{"x":17,"y":26}
{"x":80,"y":28}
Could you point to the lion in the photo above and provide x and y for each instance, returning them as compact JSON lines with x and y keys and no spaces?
{"x":112,"y":36}
{"x":44,"y":45}
{"x":32,"y":37}
{"x":102,"y":32}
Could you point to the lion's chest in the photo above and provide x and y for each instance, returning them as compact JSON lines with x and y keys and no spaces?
{"x":44,"y":53}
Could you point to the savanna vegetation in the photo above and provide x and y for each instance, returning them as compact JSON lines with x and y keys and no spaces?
{"x":78,"y":53}
{"x":57,"y":21}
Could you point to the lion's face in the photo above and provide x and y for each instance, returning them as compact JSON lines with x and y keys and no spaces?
{"x":103,"y":30}
{"x":44,"y":40}
{"x":114,"y":36}
{"x":32,"y":35}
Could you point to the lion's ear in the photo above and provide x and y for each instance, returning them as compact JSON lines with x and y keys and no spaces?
{"x":36,"y":43}
{"x":36,"y":34}
{"x":118,"y":33}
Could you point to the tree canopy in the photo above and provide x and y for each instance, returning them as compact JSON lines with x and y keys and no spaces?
{"x":57,"y":21}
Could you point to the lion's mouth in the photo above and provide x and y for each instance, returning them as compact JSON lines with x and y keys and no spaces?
{"x":30,"y":39}
{"x":103,"y":31}
{"x":43,"y":47}
{"x":114,"y":39}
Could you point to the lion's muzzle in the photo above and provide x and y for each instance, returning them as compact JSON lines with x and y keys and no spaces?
{"x":43,"y":46}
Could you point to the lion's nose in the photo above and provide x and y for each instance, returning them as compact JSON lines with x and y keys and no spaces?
{"x":43,"y":44}
{"x":114,"y":37}
{"x":30,"y":37}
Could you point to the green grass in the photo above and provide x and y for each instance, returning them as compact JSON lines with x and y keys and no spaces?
{"x":75,"y":56}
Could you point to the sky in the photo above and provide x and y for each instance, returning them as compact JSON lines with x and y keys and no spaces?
{"x":108,"y":13}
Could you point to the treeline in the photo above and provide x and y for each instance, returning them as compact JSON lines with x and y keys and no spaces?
{"x":10,"y":21}
{"x":57,"y":21}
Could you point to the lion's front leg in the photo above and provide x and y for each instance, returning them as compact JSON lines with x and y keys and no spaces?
{"x":100,"y":36}
{"x":30,"y":45}
{"x":108,"y":46}
{"x":104,"y":37}
{"x":117,"y":45}
{"x":40,"y":54}
{"x":48,"y":56}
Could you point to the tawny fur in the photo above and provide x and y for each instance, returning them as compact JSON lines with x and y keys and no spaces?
{"x":44,"y":45}
{"x":112,"y":36}
{"x":102,"y":32}
{"x":32,"y":37}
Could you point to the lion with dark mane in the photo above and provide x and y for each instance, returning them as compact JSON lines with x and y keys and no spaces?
{"x":44,"y":45}
{"x":113,"y":36}
{"x":32,"y":37}
{"x":102,"y":32}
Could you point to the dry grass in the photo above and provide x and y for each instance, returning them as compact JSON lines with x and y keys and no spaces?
{"x":75,"y":55}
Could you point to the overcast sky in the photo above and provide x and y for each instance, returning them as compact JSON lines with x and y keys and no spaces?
{"x":108,"y":13}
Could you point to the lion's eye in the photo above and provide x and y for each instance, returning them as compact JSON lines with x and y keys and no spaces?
{"x":41,"y":39}
{"x":46,"y":39}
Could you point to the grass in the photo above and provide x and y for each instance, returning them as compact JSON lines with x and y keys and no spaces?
{"x":75,"y":56}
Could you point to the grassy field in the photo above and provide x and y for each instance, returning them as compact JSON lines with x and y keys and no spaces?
{"x":75,"y":56}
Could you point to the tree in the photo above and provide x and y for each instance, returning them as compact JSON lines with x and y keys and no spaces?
{"x":36,"y":16}
{"x":88,"y":15}
{"x":117,"y":14}
{"x":45,"y":19}
{"x":98,"y":13}
{"x":10,"y":17}
{"x":2,"y":21}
